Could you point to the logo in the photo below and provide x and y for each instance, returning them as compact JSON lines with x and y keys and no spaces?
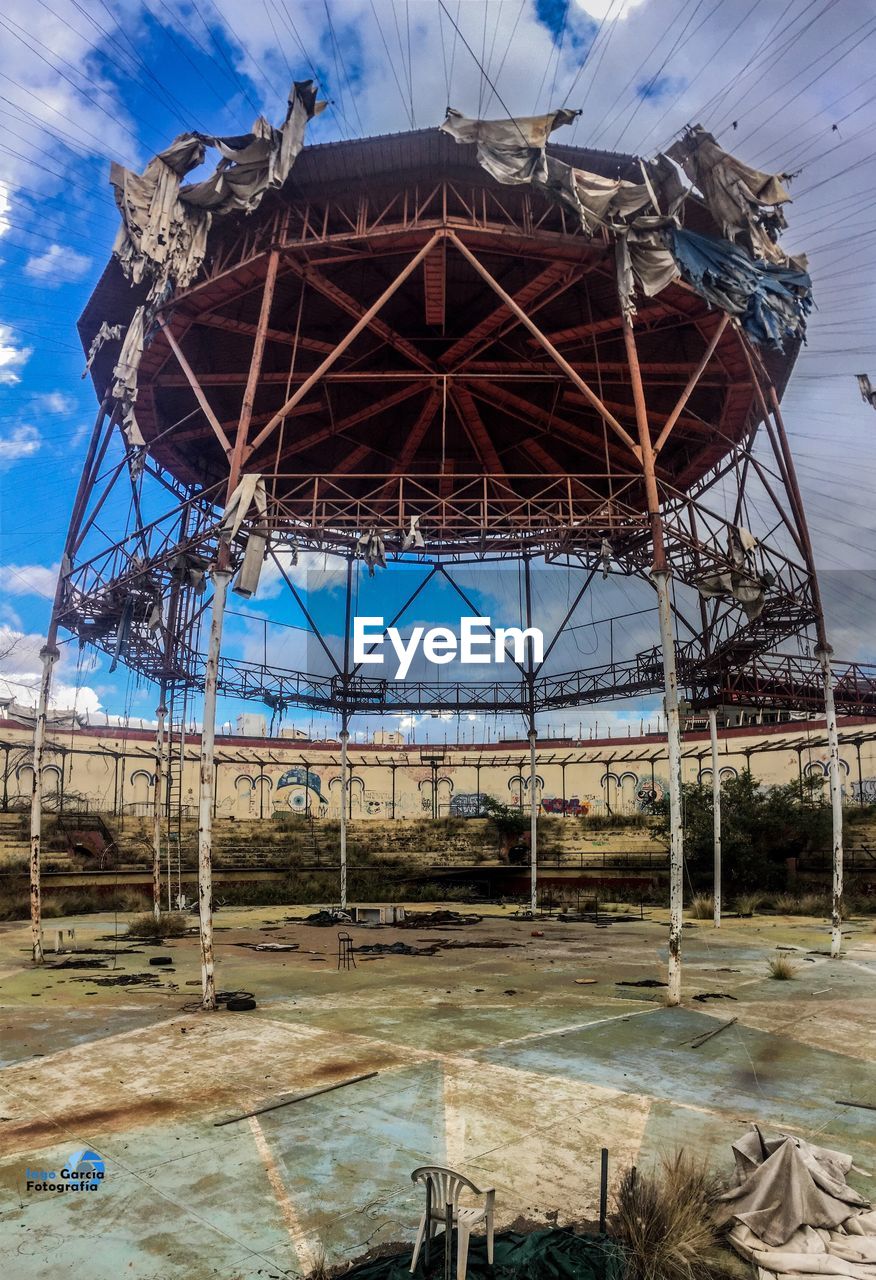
{"x":477,"y":643}
{"x":83,"y":1171}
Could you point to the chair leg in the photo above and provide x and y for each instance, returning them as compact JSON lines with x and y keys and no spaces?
{"x":419,"y":1242}
{"x":462,"y":1235}
{"x":490,"y":1233}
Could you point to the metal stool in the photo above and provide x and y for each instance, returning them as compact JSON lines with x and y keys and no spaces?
{"x":346,"y":959}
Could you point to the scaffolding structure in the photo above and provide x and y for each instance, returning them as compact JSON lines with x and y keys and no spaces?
{"x":407,"y":362}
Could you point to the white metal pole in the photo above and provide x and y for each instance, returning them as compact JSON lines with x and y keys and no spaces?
{"x":221,"y":578}
{"x":49,"y":655}
{"x":344,"y":738}
{"x":836,"y":804}
{"x":533,"y":823}
{"x":157,"y":807}
{"x":673,"y":743}
{"x":716,"y":811}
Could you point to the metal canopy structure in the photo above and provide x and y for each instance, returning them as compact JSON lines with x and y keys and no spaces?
{"x":406,"y":360}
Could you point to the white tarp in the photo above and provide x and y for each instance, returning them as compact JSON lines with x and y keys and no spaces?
{"x":793,"y":1214}
{"x":249,"y":492}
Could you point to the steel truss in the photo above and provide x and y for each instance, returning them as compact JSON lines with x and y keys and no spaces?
{"x":547,"y":423}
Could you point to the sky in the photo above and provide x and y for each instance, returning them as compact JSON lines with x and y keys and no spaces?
{"x":788,"y":85}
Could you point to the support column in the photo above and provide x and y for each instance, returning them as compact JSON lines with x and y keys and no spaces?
{"x":157,"y":806}
{"x":673,"y":748}
{"x":345,"y":734}
{"x":49,"y":655}
{"x":533,"y":822}
{"x":661,"y":576}
{"x":221,"y":578}
{"x":836,"y":804}
{"x":716,"y":811}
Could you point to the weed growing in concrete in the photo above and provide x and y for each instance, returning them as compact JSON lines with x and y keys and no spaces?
{"x":172,"y":924}
{"x":663,"y":1220}
{"x":702,"y":906}
{"x":782,"y":968}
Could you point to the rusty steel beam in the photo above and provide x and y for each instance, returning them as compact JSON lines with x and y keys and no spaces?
{"x":579,"y":382}
{"x":477,"y":433}
{"x":192,"y":379}
{"x":691,"y":384}
{"x":365,"y":319}
{"x":547,"y":285}
{"x":435,"y":286}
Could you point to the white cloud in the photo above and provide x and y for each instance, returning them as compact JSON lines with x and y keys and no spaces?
{"x":5,"y":207}
{"x":58,"y":265}
{"x":55,"y":402}
{"x":29,"y":580}
{"x":600,"y":9}
{"x":20,"y":442}
{"x":12,"y":357}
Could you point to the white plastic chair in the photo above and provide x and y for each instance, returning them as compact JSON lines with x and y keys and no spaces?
{"x":443,"y":1188}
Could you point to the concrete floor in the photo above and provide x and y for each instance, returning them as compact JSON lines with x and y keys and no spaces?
{"x":490,"y":1059}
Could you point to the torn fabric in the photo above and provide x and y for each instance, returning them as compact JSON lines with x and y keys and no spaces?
{"x":249,"y":492}
{"x":745,"y":203}
{"x":792,"y":1211}
{"x":124,"y":387}
{"x":868,"y":393}
{"x":164,"y":229}
{"x":414,"y":538}
{"x":742,"y":582}
{"x":372,"y":549}
{"x":106,"y":333}
{"x":771,"y":302}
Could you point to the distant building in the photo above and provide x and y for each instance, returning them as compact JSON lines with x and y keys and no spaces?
{"x":292,"y":732}
{"x":250,"y":725}
{"x":388,"y":738}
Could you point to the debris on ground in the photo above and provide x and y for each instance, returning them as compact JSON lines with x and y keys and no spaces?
{"x":269,"y":946}
{"x":713,"y":995}
{"x":434,"y":919}
{"x":792,"y":1210}
{"x":641,"y":982}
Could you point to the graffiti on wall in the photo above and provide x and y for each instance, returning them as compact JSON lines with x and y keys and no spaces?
{"x":468,"y":805}
{"x":573,"y":807}
{"x":302,"y":781}
{"x":864,"y":792}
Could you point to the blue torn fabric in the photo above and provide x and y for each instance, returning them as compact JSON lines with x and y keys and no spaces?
{"x":772,"y":302}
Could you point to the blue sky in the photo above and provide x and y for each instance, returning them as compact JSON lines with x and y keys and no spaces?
{"x":83,"y":82}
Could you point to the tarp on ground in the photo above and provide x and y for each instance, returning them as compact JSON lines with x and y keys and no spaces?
{"x":550,"y":1254}
{"x":793,"y":1214}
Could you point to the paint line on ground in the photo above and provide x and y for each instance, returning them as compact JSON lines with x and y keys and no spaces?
{"x":306,"y":1256}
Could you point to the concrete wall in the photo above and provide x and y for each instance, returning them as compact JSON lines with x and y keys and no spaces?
{"x":111,"y":770}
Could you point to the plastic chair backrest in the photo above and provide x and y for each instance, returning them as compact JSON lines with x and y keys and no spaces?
{"x":446,"y":1184}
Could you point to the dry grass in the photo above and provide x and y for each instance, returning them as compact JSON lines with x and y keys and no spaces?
{"x":173,"y":924}
{"x":782,"y":967}
{"x":802,"y":904}
{"x":747,"y":904}
{"x":320,"y":1269}
{"x":702,"y":906}
{"x":663,"y":1220}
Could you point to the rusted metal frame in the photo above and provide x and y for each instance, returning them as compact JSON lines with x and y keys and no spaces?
{"x":499,"y":324}
{"x":691,"y":384}
{"x":195,"y":385}
{"x":414,"y":439}
{"x":214,"y":320}
{"x":473,"y":426}
{"x":422,"y":205}
{"x":354,"y":419}
{"x":528,"y":412}
{"x":345,"y":302}
{"x":682,"y":498}
{"x":579,"y":382}
{"x":362,"y":323}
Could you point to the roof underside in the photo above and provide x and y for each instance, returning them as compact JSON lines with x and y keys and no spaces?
{"x":448,"y":387}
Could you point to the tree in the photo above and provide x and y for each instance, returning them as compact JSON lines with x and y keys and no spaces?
{"x":508,"y":823}
{"x":761,"y":827}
